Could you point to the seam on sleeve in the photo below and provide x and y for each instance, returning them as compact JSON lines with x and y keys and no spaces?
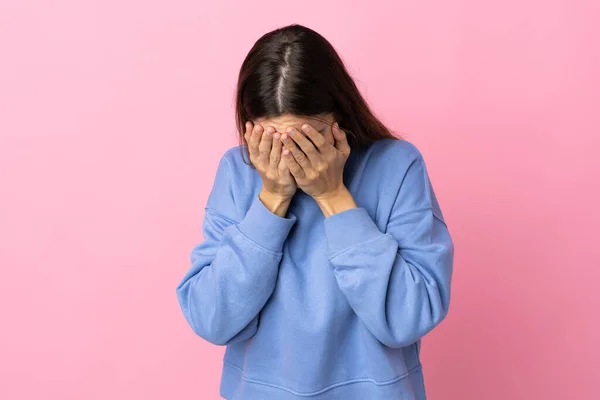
{"x":427,"y":181}
{"x":212,"y":211}
{"x":410,"y":212}
{"x":229,"y":174}
{"x":339,"y":252}
{"x":425,"y":176}
{"x":440,"y":219}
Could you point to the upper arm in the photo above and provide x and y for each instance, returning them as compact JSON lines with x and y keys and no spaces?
{"x":221,"y":197}
{"x":417,"y":224}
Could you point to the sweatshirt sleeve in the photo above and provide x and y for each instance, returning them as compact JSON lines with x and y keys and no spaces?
{"x":234,"y":268}
{"x":396,"y":279}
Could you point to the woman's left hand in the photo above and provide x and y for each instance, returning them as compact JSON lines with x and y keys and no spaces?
{"x":318,"y":169}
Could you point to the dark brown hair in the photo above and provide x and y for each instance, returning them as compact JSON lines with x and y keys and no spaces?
{"x":295,"y":70}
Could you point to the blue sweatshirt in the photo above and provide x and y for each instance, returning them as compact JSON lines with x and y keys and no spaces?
{"x":322,"y":308}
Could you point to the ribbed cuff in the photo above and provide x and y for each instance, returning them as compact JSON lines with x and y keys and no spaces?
{"x":349,"y":228}
{"x":265,"y":227}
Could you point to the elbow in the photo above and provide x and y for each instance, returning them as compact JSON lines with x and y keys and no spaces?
{"x":201,"y":322}
{"x":407,"y":331}
{"x":208,"y":332}
{"x":216,"y":338}
{"x":423,"y":319}
{"x":408,"y":337}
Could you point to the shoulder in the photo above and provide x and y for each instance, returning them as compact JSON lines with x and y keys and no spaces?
{"x":401,"y":148}
{"x":233,"y":157}
{"x":235,"y":161}
{"x":407,"y":177}
{"x":395,"y":157}
{"x":237,"y":179}
{"x":231,"y":164}
{"x":400,"y":167}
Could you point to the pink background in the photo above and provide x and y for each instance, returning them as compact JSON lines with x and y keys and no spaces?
{"x":113,"y":115}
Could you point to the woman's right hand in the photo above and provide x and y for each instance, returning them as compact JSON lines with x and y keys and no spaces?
{"x":265,"y":147}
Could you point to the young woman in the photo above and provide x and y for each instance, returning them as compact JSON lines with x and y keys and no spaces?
{"x":325,"y":259}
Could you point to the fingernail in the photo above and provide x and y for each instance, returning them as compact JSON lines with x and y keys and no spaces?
{"x":290,"y":129}
{"x":258,"y":128}
{"x":335,"y":124}
{"x":306,"y":128}
{"x":276,"y":136}
{"x":284,"y":137}
{"x":270,"y":129}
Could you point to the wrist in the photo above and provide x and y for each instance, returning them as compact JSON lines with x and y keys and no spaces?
{"x":336,"y":202}
{"x":276,"y":203}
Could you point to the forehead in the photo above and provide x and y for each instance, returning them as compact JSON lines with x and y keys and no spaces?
{"x":281,"y":122}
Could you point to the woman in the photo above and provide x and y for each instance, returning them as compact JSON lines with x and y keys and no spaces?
{"x":327,"y":259}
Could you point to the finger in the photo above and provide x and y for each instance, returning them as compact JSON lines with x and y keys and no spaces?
{"x":248,"y":135}
{"x":341,"y":141}
{"x":315,"y":137}
{"x":304,"y":144}
{"x":295,"y":168}
{"x":255,"y":140}
{"x":328,"y":135}
{"x":275,"y":155}
{"x":248,"y":132}
{"x":296,"y":153}
{"x":264,"y":147}
{"x":284,"y":170}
